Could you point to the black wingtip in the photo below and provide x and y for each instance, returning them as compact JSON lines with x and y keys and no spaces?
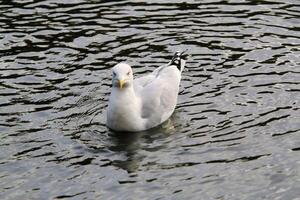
{"x":177,"y":59}
{"x":184,"y":55}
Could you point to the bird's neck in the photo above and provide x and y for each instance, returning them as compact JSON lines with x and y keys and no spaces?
{"x":124,"y":101}
{"x":124,"y":94}
{"x":124,"y":109}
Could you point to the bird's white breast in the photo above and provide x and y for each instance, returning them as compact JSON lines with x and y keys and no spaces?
{"x":123,"y":111}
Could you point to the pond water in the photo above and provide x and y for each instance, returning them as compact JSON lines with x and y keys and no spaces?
{"x":235,"y":131}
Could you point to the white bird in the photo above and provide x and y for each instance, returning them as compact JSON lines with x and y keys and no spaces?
{"x":143,"y":103}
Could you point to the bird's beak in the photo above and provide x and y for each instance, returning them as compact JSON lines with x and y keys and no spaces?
{"x":121,"y":83}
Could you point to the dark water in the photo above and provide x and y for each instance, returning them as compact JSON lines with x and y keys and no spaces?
{"x":235,"y":132}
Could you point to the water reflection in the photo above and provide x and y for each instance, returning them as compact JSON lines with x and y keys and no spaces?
{"x":128,"y":144}
{"x":134,"y":146}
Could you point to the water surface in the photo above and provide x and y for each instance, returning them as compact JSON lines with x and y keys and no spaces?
{"x":235,"y":131}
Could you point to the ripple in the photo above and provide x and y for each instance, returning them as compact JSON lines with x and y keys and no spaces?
{"x":236,"y":122}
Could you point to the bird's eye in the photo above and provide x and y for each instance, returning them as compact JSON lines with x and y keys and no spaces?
{"x":114,"y":73}
{"x":128,"y":73}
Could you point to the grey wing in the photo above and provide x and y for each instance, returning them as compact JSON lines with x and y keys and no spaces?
{"x":159,"y":97}
{"x":143,"y":81}
{"x":159,"y":90}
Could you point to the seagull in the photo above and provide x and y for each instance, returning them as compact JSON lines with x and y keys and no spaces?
{"x":139,"y":104}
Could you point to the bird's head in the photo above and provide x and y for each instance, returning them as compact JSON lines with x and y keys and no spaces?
{"x":122,"y":76}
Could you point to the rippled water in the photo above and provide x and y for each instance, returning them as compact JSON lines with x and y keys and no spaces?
{"x":235,"y":131}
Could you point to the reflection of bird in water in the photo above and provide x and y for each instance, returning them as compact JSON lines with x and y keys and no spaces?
{"x":130,"y":145}
{"x":143,"y":103}
{"x":134,"y":147}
